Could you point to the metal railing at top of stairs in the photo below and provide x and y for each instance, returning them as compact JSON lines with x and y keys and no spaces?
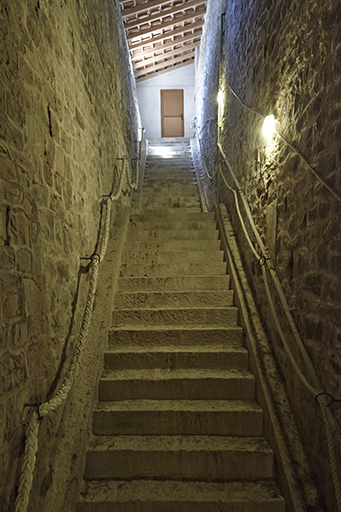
{"x":43,"y":409}
{"x":322,"y":398}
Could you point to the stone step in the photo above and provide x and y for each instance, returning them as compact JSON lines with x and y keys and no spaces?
{"x":183,"y":171}
{"x":133,"y":248}
{"x":159,"y":180}
{"x":175,"y":283}
{"x":173,"y":299}
{"x":171,"y":258}
{"x":182,"y":214}
{"x":176,"y":153}
{"x":172,"y":336}
{"x":170,"y":234}
{"x":176,"y":201}
{"x":224,"y":357}
{"x":185,"y":189}
{"x":151,"y":173}
{"x":185,"y":268}
{"x":176,"y":427}
{"x":168,"y":165}
{"x":179,"y":384}
{"x":178,"y":417}
{"x":166,"y":187}
{"x":175,"y":496}
{"x":171,"y":173}
{"x":169,"y":210}
{"x":202,"y":458}
{"x":174,"y":224}
{"x":170,"y":154}
{"x":181,"y":317}
{"x":179,"y":164}
{"x":166,"y":191}
{"x":136,"y":259}
{"x":154,"y":191}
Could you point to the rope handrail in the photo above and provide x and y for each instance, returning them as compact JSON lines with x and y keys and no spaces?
{"x":31,"y":443}
{"x":316,"y":389}
{"x":321,"y":397}
{"x":291,"y":146}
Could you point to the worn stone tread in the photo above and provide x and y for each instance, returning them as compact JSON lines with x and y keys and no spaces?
{"x":180,"y":383}
{"x":185,"y":268}
{"x":169,"y":210}
{"x":183,"y":329}
{"x":177,"y":496}
{"x":176,"y":443}
{"x":178,"y":417}
{"x":158,"y":300}
{"x":189,"y":349}
{"x":176,"y":224}
{"x":182,"y":316}
{"x":169,"y":335}
{"x":217,"y":357}
{"x":179,"y":405}
{"x":173,"y":234}
{"x":146,"y":217}
{"x":208,"y":458}
{"x":157,"y":374}
{"x":172,"y":283}
{"x":173,"y":258}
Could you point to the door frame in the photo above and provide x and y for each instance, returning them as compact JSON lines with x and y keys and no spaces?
{"x":162,"y":91}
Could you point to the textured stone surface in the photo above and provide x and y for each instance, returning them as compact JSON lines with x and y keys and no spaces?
{"x":198,"y":458}
{"x":282,"y":58}
{"x":67,"y":112}
{"x":173,"y":389}
{"x":137,"y":495}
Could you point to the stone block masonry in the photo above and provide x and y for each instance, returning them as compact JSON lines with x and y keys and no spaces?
{"x":283,"y":58}
{"x":68,"y":110}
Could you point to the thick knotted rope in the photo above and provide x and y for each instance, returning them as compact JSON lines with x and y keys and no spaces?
{"x":319,"y":394}
{"x":31,"y":443}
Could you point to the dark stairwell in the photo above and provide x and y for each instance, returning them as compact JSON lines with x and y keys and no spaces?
{"x":69,"y":124}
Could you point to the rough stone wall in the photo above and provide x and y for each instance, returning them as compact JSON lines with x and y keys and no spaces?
{"x":67,"y":112}
{"x":283,"y":58}
{"x":207,"y":80}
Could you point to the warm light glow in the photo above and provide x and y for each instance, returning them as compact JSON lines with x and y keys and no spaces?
{"x":220,"y":97}
{"x":269,"y":126}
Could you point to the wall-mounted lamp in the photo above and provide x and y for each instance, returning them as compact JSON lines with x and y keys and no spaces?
{"x":220,"y":98}
{"x":269,"y":126}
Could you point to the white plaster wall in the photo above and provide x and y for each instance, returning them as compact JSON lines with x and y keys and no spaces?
{"x":149,"y":98}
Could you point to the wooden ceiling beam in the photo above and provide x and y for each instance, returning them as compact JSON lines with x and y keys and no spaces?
{"x":155,"y":28}
{"x":174,"y":10}
{"x":164,"y":64}
{"x":171,"y":33}
{"x":152,"y":4}
{"x":166,"y":55}
{"x":166,"y":45}
{"x":163,"y":71}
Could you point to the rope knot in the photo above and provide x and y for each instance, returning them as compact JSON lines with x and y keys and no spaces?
{"x":262,"y":261}
{"x":95,"y":257}
{"x":37,"y":407}
{"x":320,"y":396}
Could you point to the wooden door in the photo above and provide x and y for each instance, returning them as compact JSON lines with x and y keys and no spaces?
{"x":172,"y":113}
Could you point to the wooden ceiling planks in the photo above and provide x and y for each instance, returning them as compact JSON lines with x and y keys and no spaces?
{"x":162,"y":35}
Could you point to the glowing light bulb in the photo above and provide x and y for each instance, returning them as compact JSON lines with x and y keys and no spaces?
{"x":269,"y":126}
{"x":220,"y":97}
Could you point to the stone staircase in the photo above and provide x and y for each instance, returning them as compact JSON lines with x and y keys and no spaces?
{"x":176,"y":427}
